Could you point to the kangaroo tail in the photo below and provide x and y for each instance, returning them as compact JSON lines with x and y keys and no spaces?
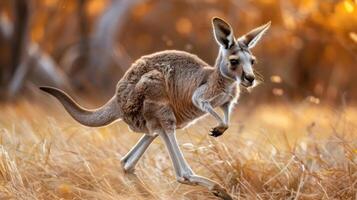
{"x":94,"y":118}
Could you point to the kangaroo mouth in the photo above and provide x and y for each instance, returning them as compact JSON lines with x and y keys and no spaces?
{"x":244,"y":82}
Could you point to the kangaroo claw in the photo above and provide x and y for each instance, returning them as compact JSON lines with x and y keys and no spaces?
{"x":218,"y":131}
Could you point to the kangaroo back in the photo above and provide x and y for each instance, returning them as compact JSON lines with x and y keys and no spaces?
{"x":94,"y":118}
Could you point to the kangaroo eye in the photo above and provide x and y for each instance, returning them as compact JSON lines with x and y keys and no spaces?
{"x":234,"y":62}
{"x":253,"y":60}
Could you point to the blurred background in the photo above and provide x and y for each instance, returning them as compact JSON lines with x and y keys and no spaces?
{"x":85,"y":46}
{"x":291,"y":137}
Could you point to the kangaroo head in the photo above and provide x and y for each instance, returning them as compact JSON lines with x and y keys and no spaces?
{"x":235,"y":60}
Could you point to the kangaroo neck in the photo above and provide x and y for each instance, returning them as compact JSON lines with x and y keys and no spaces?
{"x":219,"y":81}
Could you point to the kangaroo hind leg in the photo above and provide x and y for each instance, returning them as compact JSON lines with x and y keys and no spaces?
{"x":184,"y":173}
{"x":130,"y":160}
{"x":133,"y":156}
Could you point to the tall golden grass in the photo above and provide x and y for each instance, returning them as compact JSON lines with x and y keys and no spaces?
{"x":299,"y":151}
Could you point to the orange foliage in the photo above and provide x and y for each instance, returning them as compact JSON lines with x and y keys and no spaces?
{"x":183,"y":26}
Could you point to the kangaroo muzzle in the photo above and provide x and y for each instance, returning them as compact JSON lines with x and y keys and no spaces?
{"x":247,"y":79}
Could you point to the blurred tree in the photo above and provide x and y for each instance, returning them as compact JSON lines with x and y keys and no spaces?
{"x":25,"y":56}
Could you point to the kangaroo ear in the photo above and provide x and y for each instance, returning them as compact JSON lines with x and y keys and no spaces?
{"x":223,"y":32}
{"x":251,"y":39}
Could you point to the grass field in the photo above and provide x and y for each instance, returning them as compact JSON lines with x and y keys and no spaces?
{"x":299,"y":151}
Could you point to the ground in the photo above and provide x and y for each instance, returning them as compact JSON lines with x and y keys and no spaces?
{"x":275,"y":151}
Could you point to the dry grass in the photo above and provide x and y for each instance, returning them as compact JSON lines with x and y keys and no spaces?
{"x":273,"y":152}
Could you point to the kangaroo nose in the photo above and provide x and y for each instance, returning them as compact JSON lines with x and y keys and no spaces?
{"x":249,"y":78}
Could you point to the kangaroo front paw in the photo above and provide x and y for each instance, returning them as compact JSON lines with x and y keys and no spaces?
{"x":218,"y":130}
{"x":219,"y":191}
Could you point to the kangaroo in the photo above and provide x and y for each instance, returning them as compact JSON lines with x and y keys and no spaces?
{"x":168,"y":90}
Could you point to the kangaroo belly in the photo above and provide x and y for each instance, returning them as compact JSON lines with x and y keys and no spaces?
{"x":185,"y":122}
{"x":189,"y":115}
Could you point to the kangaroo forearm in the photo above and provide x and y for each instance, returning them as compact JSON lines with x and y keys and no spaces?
{"x":227,"y":112}
{"x":207,"y":107}
{"x":204,"y":104}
